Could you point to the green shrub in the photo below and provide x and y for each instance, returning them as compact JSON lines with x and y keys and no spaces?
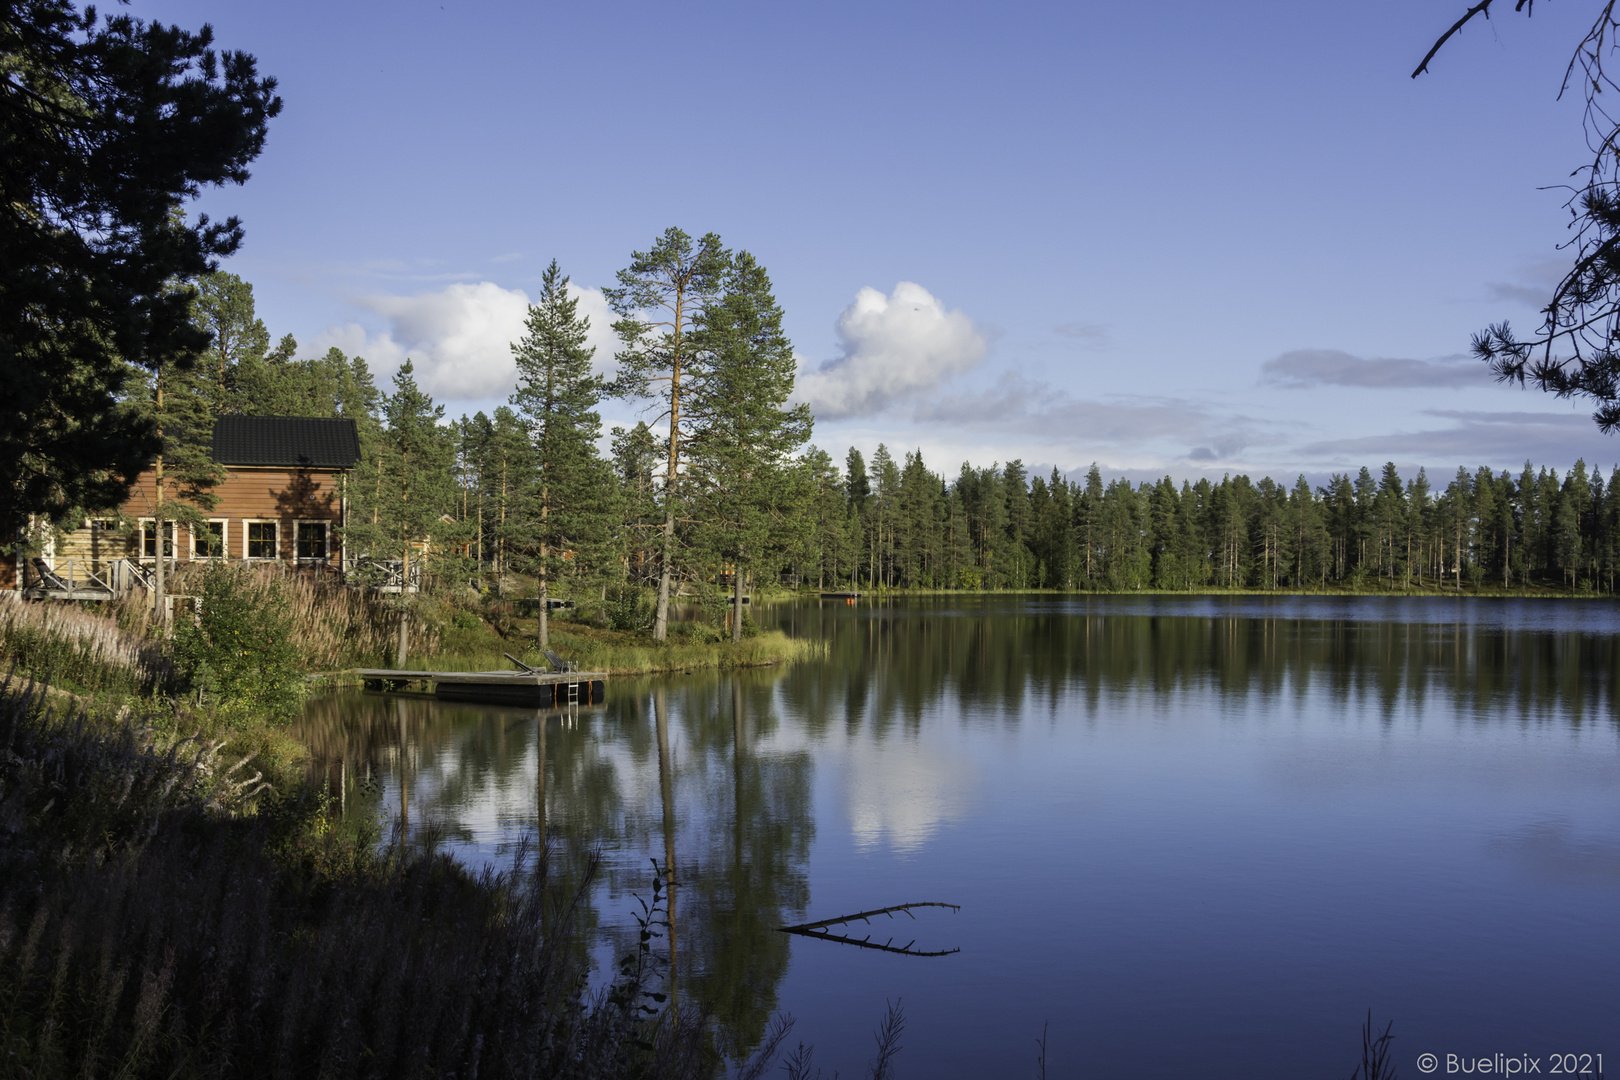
{"x":238,"y":648}
{"x":628,"y":608}
{"x":697,"y":632}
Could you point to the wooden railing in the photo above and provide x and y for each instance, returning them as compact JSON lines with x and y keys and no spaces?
{"x":84,"y":579}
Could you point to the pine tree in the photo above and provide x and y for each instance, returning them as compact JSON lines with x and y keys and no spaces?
{"x":660,"y":301}
{"x":108,"y":126}
{"x":557,"y":396}
{"x":238,"y":340}
{"x":885,"y":498}
{"x":408,"y":485}
{"x":742,"y":432}
{"x":858,"y":493}
{"x":635,"y":467}
{"x":176,"y":404}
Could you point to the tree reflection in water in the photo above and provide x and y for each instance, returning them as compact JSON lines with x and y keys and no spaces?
{"x":709,"y":777}
{"x":664,"y":771}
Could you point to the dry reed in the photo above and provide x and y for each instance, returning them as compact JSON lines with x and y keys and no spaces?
{"x":62,"y":642}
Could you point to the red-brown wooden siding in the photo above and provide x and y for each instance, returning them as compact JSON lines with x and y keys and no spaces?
{"x":285,"y":496}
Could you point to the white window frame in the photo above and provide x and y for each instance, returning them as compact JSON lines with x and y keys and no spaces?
{"x":247,"y":528}
{"x":224,"y":540}
{"x":326,"y":539}
{"x":140,"y":543}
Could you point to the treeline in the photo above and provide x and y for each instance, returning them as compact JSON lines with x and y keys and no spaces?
{"x":899,"y":524}
{"x":719,"y":488}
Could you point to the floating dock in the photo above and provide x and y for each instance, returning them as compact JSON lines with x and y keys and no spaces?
{"x":536,"y":688}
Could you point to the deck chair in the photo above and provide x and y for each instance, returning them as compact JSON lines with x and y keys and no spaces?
{"x":48,"y":578}
{"x":558,"y":663}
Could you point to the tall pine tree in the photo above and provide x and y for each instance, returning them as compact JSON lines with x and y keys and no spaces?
{"x":556,"y":398}
{"x":660,"y":300}
{"x":743,"y":433}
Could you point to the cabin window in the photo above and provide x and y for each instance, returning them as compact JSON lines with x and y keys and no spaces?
{"x":149,"y":539}
{"x":208,"y":540}
{"x":262,"y":541}
{"x":312,"y":540}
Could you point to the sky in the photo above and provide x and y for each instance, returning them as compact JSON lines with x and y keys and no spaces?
{"x":1164,"y":237}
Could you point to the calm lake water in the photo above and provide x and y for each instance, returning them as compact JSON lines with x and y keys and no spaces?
{"x":1192,"y":837}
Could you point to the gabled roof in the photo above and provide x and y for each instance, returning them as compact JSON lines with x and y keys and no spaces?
{"x":297,"y":442}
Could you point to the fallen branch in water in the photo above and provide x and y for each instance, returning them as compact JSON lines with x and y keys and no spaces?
{"x":819,"y":929}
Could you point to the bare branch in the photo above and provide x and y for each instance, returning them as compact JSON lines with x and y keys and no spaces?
{"x":1481,"y":8}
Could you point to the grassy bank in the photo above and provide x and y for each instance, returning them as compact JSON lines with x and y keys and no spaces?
{"x":616,"y":652}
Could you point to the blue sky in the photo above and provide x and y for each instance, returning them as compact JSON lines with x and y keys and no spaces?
{"x":1164,"y":236}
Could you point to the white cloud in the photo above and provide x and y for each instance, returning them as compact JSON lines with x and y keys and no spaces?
{"x":904,"y":793}
{"x":894,"y":347}
{"x":460,"y":338}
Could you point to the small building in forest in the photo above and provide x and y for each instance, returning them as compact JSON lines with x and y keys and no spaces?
{"x":283,"y":501}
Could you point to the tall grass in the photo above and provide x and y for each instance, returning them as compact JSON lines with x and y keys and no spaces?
{"x":63,"y":643}
{"x":337,"y":627}
{"x":333,"y":627}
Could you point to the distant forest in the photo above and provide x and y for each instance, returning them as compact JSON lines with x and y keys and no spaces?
{"x":476,"y":487}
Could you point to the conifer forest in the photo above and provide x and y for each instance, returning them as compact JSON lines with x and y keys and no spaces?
{"x":536,"y":490}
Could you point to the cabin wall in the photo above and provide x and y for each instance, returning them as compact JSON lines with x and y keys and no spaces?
{"x":259,"y":511}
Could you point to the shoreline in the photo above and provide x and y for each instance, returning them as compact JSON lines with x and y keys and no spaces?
{"x":1523,"y":593}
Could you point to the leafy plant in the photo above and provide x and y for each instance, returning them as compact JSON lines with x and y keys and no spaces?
{"x":238,"y":646}
{"x":628,"y":608}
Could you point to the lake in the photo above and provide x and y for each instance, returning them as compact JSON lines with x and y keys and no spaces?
{"x":1188,"y":836}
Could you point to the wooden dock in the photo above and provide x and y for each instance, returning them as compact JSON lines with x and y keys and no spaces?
{"x":536,"y":688}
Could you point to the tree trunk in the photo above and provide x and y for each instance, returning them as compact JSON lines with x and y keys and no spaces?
{"x":157,"y":518}
{"x":661,"y":615}
{"x":736,"y":602}
{"x":404,"y":633}
{"x":544,"y":626}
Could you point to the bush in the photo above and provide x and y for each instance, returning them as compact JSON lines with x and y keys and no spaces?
{"x":628,"y":608}
{"x":238,"y":648}
{"x":700,"y":633}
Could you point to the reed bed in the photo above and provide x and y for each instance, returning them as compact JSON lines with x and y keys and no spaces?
{"x":63,"y":643}
{"x":337,"y":627}
{"x":333,"y":627}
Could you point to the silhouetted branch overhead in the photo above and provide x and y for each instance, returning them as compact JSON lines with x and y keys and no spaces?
{"x":1574,"y":354}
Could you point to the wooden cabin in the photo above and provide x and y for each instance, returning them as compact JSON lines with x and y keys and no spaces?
{"x":282,"y":502}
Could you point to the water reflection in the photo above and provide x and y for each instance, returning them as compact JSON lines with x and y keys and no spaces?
{"x":1192,"y":782}
{"x":892,"y":664}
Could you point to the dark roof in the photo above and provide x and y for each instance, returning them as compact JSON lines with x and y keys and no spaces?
{"x":302,"y":442}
